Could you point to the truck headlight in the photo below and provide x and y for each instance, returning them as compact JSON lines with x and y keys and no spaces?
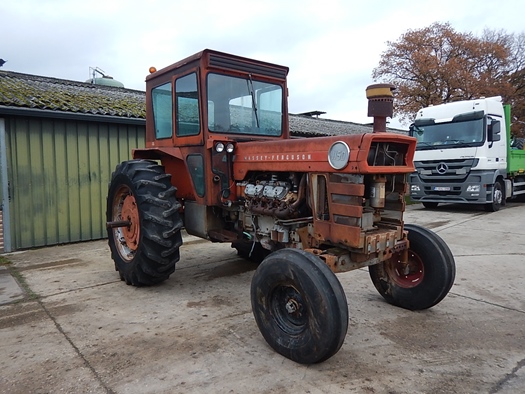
{"x":415,"y":188}
{"x":473,"y":188}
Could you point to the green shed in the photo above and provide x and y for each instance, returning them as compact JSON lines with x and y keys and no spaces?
{"x":59,"y":142}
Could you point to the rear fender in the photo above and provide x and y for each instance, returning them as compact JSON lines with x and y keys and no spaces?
{"x":175,"y":164}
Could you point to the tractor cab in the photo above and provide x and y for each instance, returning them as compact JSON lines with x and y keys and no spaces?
{"x":199,"y":107}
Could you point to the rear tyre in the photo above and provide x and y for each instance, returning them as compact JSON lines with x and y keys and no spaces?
{"x":299,"y":306}
{"x":497,"y":198}
{"x":146,"y":248}
{"x":425,"y":280}
{"x":430,"y":205}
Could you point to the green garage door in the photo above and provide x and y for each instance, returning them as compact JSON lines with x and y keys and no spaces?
{"x":58,"y":173}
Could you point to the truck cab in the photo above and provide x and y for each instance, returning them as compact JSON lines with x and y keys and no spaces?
{"x":462,"y":154}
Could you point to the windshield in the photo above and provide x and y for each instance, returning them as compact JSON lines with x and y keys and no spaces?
{"x":449,"y":134}
{"x":244,"y":106}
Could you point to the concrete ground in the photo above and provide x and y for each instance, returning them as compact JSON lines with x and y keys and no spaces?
{"x":76,"y":328}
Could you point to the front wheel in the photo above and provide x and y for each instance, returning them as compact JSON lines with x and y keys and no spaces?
{"x":424,"y":280}
{"x":497,"y":198}
{"x":143,"y":222}
{"x":299,"y":306}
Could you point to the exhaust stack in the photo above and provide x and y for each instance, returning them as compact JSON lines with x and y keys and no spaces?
{"x":380,"y":104}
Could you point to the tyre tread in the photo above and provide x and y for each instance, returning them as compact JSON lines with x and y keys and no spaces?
{"x":432,"y":290}
{"x":158,"y":251}
{"x":300,"y":268}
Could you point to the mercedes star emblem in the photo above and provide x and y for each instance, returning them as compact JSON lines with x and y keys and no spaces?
{"x":441,"y":168}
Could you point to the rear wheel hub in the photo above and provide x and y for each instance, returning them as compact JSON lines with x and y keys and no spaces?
{"x":130,"y":213}
{"x":128,"y":236}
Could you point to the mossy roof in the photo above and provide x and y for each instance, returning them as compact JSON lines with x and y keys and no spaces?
{"x":44,"y":93}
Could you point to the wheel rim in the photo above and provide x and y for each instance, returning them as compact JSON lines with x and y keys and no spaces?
{"x":406,"y":275}
{"x":127,"y":237}
{"x":288,"y":308}
{"x":498,"y":194}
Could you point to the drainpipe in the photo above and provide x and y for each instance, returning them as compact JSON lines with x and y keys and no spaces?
{"x":4,"y":199}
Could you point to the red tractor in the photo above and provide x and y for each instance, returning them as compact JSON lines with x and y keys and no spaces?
{"x":219,"y":161}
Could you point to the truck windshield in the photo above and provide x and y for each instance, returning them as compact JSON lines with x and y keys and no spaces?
{"x":244,"y":106}
{"x":449,"y":134}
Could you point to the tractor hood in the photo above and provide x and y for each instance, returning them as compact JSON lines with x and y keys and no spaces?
{"x":371,"y":153}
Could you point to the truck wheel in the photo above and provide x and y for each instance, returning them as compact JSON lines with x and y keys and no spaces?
{"x":425,"y":280}
{"x":430,"y":205}
{"x":143,"y":222}
{"x":497,"y":198}
{"x":299,"y":306}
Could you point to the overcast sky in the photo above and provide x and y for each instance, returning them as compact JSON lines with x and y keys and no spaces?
{"x":330,"y":46}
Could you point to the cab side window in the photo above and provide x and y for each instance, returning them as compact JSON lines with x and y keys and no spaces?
{"x":162,"y":111}
{"x":187,"y":106}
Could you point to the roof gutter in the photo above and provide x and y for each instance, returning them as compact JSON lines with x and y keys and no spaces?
{"x":46,"y":113}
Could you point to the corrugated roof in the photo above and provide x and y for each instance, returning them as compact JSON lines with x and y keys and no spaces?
{"x":19,"y":90}
{"x":307,"y":126}
{"x":36,"y":92}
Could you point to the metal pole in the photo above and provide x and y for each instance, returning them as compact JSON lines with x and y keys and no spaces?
{"x":5,"y":188}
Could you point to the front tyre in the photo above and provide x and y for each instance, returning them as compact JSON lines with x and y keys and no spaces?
{"x":143,"y":222}
{"x":424,"y":280}
{"x":498,"y":198}
{"x":299,"y":306}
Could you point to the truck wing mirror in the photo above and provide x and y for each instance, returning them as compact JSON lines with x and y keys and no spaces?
{"x":494,"y":130}
{"x":417,"y":126}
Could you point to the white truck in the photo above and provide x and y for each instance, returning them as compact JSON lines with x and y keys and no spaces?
{"x":465,"y":154}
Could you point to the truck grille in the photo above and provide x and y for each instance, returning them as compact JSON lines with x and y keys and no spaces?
{"x":444,"y":170}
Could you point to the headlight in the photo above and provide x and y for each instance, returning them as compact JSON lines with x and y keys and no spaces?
{"x":229,"y":147}
{"x":219,"y":147}
{"x":473,"y":188}
{"x":415,"y":188}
